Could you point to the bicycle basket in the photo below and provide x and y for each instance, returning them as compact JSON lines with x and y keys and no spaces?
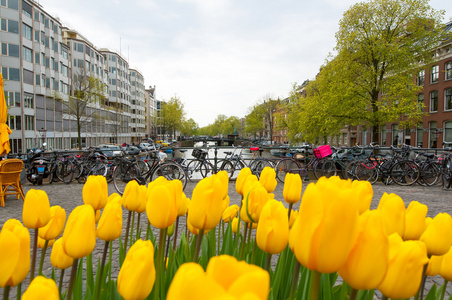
{"x":386,"y":164}
{"x":199,"y":153}
{"x":322,"y":151}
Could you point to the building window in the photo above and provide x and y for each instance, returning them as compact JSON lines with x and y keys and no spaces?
{"x":26,"y":9}
{"x":12,"y":99}
{"x":10,"y":50}
{"x":434,"y":74}
{"x":11,"y":74}
{"x":383,"y":136}
{"x":37,"y":36}
{"x":29,"y":123}
{"x":14,"y":122}
{"x":80,"y":48}
{"x":448,"y":132}
{"x":28,"y":77}
{"x":395,"y":135}
{"x":448,"y":70}
{"x":13,"y":4}
{"x":38,"y":79}
{"x":433,"y":134}
{"x":27,"y":54}
{"x":421,"y":78}
{"x":419,"y":134}
{"x":448,"y":98}
{"x":420,"y":101}
{"x":433,"y":101}
{"x":27,"y":31}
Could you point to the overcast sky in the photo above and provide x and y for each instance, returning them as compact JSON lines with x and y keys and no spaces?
{"x":216,"y":56}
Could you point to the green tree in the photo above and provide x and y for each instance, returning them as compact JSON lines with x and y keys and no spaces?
{"x":88,"y":91}
{"x":261,"y":117}
{"x":189,"y":127}
{"x":172,"y":115}
{"x":381,"y":44}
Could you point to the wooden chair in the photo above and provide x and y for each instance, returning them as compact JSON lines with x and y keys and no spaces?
{"x":10,"y":184}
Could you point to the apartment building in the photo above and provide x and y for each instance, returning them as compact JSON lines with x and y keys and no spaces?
{"x":43,"y":63}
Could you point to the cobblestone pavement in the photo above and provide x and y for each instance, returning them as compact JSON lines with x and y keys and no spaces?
{"x":69,"y":196}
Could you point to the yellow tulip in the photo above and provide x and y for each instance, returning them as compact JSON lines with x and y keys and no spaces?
{"x":406,"y":263}
{"x":142,"y":197}
{"x":95,"y":191}
{"x":364,"y":194}
{"x":392,"y":208}
{"x":250,"y":182}
{"x":114,"y":196}
{"x":161,"y":207}
{"x":109,"y":227}
{"x":36,"y":210}
{"x":224,"y":179}
{"x":292,"y":188}
{"x":235,"y":224}
{"x":230,"y":213}
{"x":206,"y":204}
{"x":158,"y":181}
{"x":272,"y":232}
{"x":55,"y":227}
{"x":240,"y":181}
{"x":42,"y":288}
{"x":15,"y":257}
{"x":293,"y":217}
{"x":253,"y":203}
{"x":434,"y":265}
{"x":225,"y":278}
{"x":415,"y":220}
{"x":367,"y":263}
{"x":79,"y":236}
{"x":42,"y":242}
{"x":58,"y":257}
{"x":327,"y":226}
{"x":137,"y":274}
{"x":438,"y":235}
{"x":268,"y":179}
{"x":171,"y":230}
{"x":446,"y":266}
{"x":182,"y":209}
{"x":131,"y":197}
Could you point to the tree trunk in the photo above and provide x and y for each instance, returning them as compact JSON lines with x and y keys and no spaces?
{"x":79,"y":137}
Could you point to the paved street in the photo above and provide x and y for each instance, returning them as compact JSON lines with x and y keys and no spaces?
{"x":70,"y":196}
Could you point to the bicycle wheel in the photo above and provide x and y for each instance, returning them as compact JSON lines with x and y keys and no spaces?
{"x":285,"y":166}
{"x":228,"y":167}
{"x":328,"y":168}
{"x":429,"y":174}
{"x":238,"y":166}
{"x":65,"y":172}
{"x":405,"y":173}
{"x":196,"y":170}
{"x":170,"y":171}
{"x":257,"y":165}
{"x":367,"y":171}
{"x":122,"y":174}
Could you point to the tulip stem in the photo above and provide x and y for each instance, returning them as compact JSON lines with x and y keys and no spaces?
{"x":353,"y":294}
{"x":159,"y":273}
{"x":296,"y":272}
{"x":420,"y":294}
{"x":71,"y":281}
{"x":315,"y":285}
{"x":19,"y":291}
{"x":198,"y":245}
{"x":131,"y":229}
{"x":43,"y":254}
{"x":290,"y":209}
{"x":33,"y":261}
{"x":101,"y":271}
{"x":6,"y":292}
{"x":268,"y":262}
{"x":60,"y":285}
{"x":138,"y":226}
{"x":127,"y":232}
{"x":443,"y":292}
{"x":148,"y":229}
{"x":245,"y":231}
{"x":175,"y":234}
{"x":167,"y":246}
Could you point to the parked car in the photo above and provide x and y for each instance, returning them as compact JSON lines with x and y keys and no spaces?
{"x":165,"y":144}
{"x":146,"y":146}
{"x":110,"y":151}
{"x":131,"y":150}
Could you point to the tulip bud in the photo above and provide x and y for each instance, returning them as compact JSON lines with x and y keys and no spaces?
{"x":272,"y":232}
{"x":363,"y":193}
{"x":137,"y":274}
{"x":206,"y":205}
{"x":55,"y":226}
{"x":438,"y":235}
{"x":268,"y":179}
{"x":224,"y":179}
{"x":58,"y":257}
{"x":114,"y":196}
{"x":250,"y":182}
{"x":42,"y":288}
{"x":79,"y":236}
{"x":142,"y":198}
{"x":95,"y":191}
{"x":367,"y":263}
{"x":182,"y":209}
{"x":131,"y":198}
{"x":446,"y":263}
{"x":36,"y":210}
{"x":42,"y":242}
{"x":161,"y":207}
{"x":240,"y":181}
{"x":230,"y":213}
{"x":15,"y":257}
{"x":253,"y":203}
{"x":392,"y":208}
{"x":327,"y":226}
{"x":110,"y":224}
{"x":415,"y":220}
{"x":406,"y":264}
{"x":235,"y":224}
{"x":171,"y":230}
{"x":292,"y":188}
{"x":434,"y":265}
